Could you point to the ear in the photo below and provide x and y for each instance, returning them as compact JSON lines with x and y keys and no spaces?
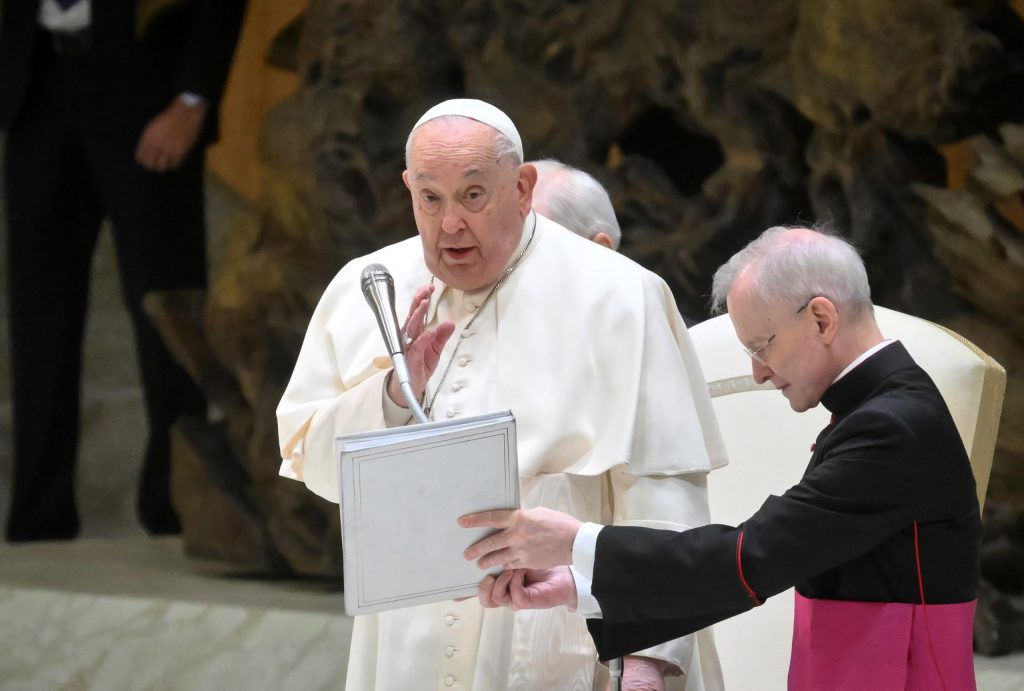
{"x":826,"y":318}
{"x":524,"y":186}
{"x":604,"y":239}
{"x":405,"y":179}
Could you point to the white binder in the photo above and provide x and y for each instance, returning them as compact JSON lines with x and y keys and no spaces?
{"x":402,"y":490}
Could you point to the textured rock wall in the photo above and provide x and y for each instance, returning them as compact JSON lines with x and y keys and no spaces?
{"x":898,"y":123}
{"x":710,"y":121}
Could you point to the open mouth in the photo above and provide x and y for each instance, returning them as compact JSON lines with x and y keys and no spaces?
{"x":457,"y":252}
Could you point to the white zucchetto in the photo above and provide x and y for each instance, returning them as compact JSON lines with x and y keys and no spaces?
{"x":480,"y":111}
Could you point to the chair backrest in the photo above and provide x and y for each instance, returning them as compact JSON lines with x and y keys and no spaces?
{"x":769,"y":447}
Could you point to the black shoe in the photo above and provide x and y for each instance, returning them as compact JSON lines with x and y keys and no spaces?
{"x":160,"y":523}
{"x":37,"y":533}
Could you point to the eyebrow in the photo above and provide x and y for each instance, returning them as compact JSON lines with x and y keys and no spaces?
{"x":474,"y":171}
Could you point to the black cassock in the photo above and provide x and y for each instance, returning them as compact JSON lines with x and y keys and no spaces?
{"x":891,"y":456}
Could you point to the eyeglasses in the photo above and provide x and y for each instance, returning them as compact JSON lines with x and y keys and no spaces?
{"x":755,"y":354}
{"x":758,"y":352}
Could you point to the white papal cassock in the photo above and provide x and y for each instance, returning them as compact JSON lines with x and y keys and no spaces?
{"x":614,"y":425}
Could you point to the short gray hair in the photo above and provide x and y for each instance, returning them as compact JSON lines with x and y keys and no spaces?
{"x":503,"y":146}
{"x":576,"y":200}
{"x":790,"y":269}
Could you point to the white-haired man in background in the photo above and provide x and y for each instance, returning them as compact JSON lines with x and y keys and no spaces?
{"x":574,"y":199}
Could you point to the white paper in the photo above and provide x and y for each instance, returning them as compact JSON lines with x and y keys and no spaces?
{"x":401,"y":492}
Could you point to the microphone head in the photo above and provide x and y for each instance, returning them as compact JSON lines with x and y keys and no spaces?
{"x":379,"y":290}
{"x":374,"y":273}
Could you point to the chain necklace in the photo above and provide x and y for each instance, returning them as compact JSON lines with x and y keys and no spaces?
{"x":462,"y":335}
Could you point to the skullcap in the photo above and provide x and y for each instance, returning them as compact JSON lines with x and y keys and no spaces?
{"x":476,"y":110}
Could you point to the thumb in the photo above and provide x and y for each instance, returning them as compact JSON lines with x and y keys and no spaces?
{"x":517,"y":590}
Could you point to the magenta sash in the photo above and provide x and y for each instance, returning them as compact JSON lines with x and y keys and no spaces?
{"x":881,"y":646}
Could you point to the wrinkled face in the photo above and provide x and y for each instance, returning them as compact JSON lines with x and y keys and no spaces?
{"x":469,"y":206}
{"x":796,"y":361}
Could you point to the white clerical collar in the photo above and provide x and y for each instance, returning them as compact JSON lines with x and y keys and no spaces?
{"x":864,"y":356}
{"x":53,"y":17}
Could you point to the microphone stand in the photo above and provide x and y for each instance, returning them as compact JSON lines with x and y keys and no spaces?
{"x":615,"y":668}
{"x":405,"y":384}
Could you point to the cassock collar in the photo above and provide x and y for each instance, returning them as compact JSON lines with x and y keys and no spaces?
{"x":529,"y":228}
{"x":859,"y":383}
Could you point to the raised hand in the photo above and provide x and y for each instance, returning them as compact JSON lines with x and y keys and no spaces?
{"x":423,"y":350}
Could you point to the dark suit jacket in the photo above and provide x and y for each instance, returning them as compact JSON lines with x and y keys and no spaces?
{"x":845,"y":532}
{"x":188,"y":47}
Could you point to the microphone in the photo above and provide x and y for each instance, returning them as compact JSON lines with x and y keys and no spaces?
{"x":379,"y":291}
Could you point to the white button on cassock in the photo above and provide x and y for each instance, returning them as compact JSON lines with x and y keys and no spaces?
{"x":449,"y":680}
{"x":451,"y":412}
{"x":463,"y":362}
{"x":449,"y":620}
{"x":449,"y":651}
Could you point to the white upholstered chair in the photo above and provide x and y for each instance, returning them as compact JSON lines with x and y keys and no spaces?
{"x":769,"y":447}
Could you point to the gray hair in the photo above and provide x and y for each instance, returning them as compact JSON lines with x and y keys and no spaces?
{"x":791,"y":268}
{"x":576,"y":200}
{"x":503,"y":146}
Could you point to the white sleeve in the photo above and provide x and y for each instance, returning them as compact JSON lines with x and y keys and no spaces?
{"x":330,"y":392}
{"x":308,"y":454}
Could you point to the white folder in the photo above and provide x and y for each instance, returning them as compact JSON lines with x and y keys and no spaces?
{"x":402,"y":490}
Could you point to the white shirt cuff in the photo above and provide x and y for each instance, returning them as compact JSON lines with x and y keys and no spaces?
{"x":586,"y":604}
{"x":584,"y":548}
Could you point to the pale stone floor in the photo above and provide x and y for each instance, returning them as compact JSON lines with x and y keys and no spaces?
{"x":133,"y":614}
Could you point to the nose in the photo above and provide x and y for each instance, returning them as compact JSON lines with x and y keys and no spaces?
{"x":761,"y":371}
{"x":452,"y":222}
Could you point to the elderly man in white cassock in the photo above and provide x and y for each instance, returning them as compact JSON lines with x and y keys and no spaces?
{"x":510,"y":311}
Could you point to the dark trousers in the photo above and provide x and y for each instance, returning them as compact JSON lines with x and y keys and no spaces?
{"x":69,"y":165}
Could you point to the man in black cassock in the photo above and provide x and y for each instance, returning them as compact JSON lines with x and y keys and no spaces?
{"x":880,"y":537}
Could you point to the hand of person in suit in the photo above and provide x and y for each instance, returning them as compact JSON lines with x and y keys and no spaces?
{"x":527,"y":539}
{"x":529,"y":589}
{"x":547,"y":588}
{"x":423,"y":347}
{"x":169,"y":136}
